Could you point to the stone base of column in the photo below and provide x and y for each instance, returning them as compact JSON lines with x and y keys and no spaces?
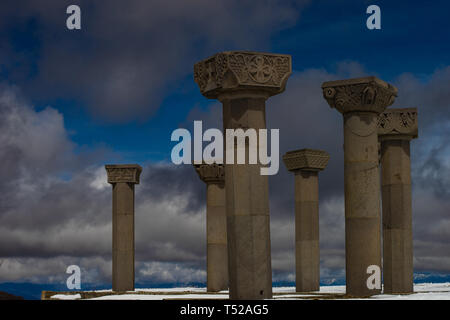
{"x":250,"y":265}
{"x":123,"y":270}
{"x":398,"y":261}
{"x":307,"y":266}
{"x":217,"y":267}
{"x":362,"y":249}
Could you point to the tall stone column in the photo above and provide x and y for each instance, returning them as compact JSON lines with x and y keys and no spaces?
{"x":243,"y":81}
{"x":216,"y":226}
{"x":396,"y":128}
{"x":361,"y":101}
{"x":123,"y":178}
{"x":306,"y":164}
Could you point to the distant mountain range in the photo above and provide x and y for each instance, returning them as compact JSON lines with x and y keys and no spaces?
{"x":8,"y":296}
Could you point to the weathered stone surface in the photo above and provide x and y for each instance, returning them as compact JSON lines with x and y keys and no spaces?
{"x":360,"y":101}
{"x":395,"y":123}
{"x":213,"y":173}
{"x":216,"y":226}
{"x":306,"y":159}
{"x":247,"y":196}
{"x":306,"y":164}
{"x":243,"y":81}
{"x":233,"y":71}
{"x":396,"y":127}
{"x":123,"y":173}
{"x":368,"y":94}
{"x":123,"y":178}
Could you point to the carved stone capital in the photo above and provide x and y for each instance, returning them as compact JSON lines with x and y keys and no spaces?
{"x":306,"y":159}
{"x":210,"y":173}
{"x":128,"y":173}
{"x":398,"y":123}
{"x":368,"y":94}
{"x":234,"y":72}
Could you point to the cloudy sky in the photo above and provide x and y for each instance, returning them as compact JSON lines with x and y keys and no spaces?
{"x":113,"y":92}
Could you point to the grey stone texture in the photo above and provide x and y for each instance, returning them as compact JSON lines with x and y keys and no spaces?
{"x":123,"y":178}
{"x":216,"y":226}
{"x":243,"y":81}
{"x":396,"y":128}
{"x":306,"y":164}
{"x":361,"y":101}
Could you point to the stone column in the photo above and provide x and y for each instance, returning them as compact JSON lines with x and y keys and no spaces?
{"x":123,"y":178}
{"x":396,"y":128}
{"x":243,"y":81}
{"x":361,"y":101}
{"x":216,"y":226}
{"x":306,"y":164}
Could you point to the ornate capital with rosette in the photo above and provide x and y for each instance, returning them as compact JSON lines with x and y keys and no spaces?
{"x":397,"y":123}
{"x":210,"y":173}
{"x":306,"y":159}
{"x":242,"y":71}
{"x":128,"y":173}
{"x":368,"y":94}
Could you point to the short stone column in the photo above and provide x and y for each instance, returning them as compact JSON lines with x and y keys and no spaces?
{"x":361,"y":101}
{"x":123,"y":178}
{"x":243,"y":81}
{"x":396,"y":128}
{"x":216,"y":226}
{"x":306,"y":164}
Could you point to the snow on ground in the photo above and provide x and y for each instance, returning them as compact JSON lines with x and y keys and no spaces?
{"x":424,"y":291}
{"x":67,"y":296}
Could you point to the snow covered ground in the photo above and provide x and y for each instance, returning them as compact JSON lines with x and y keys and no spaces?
{"x":425,"y":291}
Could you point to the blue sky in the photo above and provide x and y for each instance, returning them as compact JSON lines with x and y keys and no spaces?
{"x":113,"y":92}
{"x":412,"y":39}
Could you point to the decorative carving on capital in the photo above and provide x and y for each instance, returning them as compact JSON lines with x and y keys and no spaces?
{"x":210,"y":173}
{"x":234,"y":71}
{"x":306,"y":159}
{"x":128,"y":173}
{"x":398,"y":122}
{"x":368,"y":94}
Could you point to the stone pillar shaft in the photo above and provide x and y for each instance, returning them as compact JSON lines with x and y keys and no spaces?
{"x":361,"y":101}
{"x":307,"y":257}
{"x":396,"y":128}
{"x":248,"y":221}
{"x":217,"y":252}
{"x":123,"y":236}
{"x":123,"y":178}
{"x":362,"y":200}
{"x":243,"y":81}
{"x":306,"y":164}
{"x":216,"y":226}
{"x":397,"y":217}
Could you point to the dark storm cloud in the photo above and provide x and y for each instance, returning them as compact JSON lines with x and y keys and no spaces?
{"x":55,"y":204}
{"x":430,"y":156}
{"x":49,"y":220}
{"x":129,"y":53}
{"x":306,"y":121}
